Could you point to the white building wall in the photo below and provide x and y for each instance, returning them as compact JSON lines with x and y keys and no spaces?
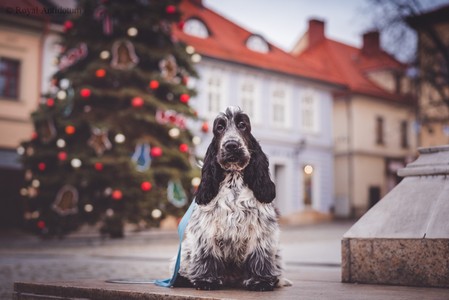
{"x":288,"y":148}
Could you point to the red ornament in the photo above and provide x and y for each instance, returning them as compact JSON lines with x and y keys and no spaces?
{"x":68,"y":25}
{"x":100,"y":73}
{"x":171,"y":9}
{"x":62,"y":155}
{"x":117,"y":195}
{"x":98,"y":166}
{"x":146,"y":186}
{"x":41,"y":224}
{"x":184,"y":148}
{"x":69,"y":129}
{"x":34,"y":135}
{"x":50,"y":102}
{"x":42,"y":166}
{"x":184,"y":98}
{"x":137,"y":102}
{"x":185,"y":80}
{"x":205,"y":127}
{"x":156,"y":152}
{"x":85,"y":93}
{"x":181,"y":25}
{"x":154,"y":84}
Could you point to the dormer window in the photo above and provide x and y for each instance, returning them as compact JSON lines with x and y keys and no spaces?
{"x":196,"y":27}
{"x":258,"y":44}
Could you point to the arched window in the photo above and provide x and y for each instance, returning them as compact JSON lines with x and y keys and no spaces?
{"x":196,"y":27}
{"x":258,"y":44}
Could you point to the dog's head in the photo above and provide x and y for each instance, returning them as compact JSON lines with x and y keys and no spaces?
{"x":232,"y":135}
{"x":234,"y":149}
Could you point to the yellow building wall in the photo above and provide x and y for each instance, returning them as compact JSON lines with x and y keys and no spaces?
{"x":15,"y":124}
{"x":432,"y":133}
{"x":365,"y":112}
{"x":360,"y":163}
{"x":369,"y":171}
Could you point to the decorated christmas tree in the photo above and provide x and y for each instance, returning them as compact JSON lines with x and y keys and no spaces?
{"x":113,"y":138}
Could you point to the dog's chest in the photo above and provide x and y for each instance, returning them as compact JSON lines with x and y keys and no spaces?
{"x":237,"y":219}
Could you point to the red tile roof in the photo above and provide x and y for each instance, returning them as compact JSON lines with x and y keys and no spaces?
{"x":350,"y":64}
{"x":227,"y":42}
{"x":327,"y":60}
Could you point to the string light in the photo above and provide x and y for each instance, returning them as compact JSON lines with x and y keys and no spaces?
{"x":120,"y":138}
{"x":132,"y":31}
{"x":76,"y":163}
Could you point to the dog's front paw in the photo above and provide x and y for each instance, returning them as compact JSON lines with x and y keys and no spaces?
{"x":206,"y":285}
{"x":260,"y":286}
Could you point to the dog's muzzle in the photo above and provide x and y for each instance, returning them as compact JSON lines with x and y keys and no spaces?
{"x":233,"y":156}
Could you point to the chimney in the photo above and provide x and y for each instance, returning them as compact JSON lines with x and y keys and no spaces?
{"x":371,"y":43}
{"x":315,"y":32}
{"x":197,"y":2}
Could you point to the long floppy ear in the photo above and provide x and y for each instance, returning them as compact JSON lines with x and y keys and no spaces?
{"x":257,"y":175}
{"x":211,"y":176}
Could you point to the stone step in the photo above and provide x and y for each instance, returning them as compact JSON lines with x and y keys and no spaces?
{"x":308,"y":283}
{"x":404,"y":238}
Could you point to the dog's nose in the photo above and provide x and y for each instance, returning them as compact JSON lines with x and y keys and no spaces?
{"x":231,"y":146}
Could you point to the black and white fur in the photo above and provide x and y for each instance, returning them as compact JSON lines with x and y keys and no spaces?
{"x":232,"y":236}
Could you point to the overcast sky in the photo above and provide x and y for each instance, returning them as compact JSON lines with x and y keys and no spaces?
{"x":282,"y":22}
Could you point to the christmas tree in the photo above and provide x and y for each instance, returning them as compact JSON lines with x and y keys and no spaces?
{"x":112,"y":140}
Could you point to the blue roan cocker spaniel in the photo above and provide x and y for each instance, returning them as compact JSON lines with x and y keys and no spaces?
{"x":232,"y":236}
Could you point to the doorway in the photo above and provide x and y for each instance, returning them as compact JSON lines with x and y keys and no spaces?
{"x":308,"y":174}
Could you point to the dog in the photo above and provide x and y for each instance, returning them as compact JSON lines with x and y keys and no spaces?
{"x":232,"y":236}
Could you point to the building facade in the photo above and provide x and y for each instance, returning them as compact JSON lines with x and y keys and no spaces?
{"x":20,"y":67}
{"x":334,"y":120}
{"x":432,"y":59}
{"x":372,"y":118}
{"x":27,"y":52}
{"x":290,"y":104}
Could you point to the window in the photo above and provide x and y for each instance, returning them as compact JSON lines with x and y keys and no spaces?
{"x":309,"y":111}
{"x":248,"y":97}
{"x":279,"y":107}
{"x":258,"y":44}
{"x":197,"y":28}
{"x":215,"y":93}
{"x":380,"y":131}
{"x":404,"y":134}
{"x":9,"y":78}
{"x":279,"y":110}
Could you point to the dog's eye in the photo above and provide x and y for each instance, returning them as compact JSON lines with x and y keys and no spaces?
{"x":220,"y":128}
{"x":241,"y":125}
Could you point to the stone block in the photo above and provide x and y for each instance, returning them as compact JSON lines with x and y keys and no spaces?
{"x":404,"y":239}
{"x":415,"y":262}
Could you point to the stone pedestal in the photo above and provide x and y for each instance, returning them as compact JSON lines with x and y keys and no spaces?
{"x":404,"y":239}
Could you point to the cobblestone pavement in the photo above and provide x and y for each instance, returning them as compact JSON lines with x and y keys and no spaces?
{"x":26,"y":258}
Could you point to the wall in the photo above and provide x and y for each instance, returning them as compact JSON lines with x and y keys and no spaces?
{"x":14,"y":114}
{"x":360,"y":163}
{"x":288,"y":148}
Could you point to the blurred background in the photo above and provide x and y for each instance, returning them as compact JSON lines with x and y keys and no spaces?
{"x":106,"y":107}
{"x":340,"y":96}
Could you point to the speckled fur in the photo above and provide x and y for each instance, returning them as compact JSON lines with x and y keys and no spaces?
{"x":232,"y":238}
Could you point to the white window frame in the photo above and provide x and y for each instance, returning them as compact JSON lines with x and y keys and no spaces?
{"x":310,"y":111}
{"x":216,"y":92}
{"x":280,"y":97}
{"x":249,"y":97}
{"x":195,"y":27}
{"x":258,"y":44}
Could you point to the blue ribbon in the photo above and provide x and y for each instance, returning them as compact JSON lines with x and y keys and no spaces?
{"x":169,"y":282}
